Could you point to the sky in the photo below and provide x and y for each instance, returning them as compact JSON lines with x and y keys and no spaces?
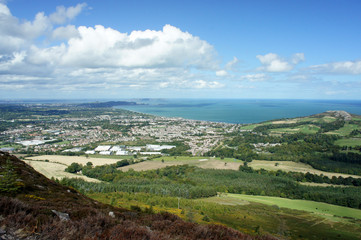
{"x":111,"y":49}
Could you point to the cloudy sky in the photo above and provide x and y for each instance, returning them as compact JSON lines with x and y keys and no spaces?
{"x":113,"y":49}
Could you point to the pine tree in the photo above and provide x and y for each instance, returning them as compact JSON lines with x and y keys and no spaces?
{"x":8,"y":183}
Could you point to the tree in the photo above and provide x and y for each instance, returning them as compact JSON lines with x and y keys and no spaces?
{"x":74,"y":168}
{"x":8,"y":179}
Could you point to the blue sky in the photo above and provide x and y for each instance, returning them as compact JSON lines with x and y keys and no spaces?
{"x":180,"y":49}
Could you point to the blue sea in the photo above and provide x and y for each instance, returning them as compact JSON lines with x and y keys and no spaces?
{"x":240,"y":110}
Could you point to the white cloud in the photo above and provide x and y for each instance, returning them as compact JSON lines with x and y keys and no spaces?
{"x":18,"y":35}
{"x":273,"y":63}
{"x":63,"y":14}
{"x":65,"y":33}
{"x":258,"y":77}
{"x":233,"y":64}
{"x":205,"y":84}
{"x":221,"y":73}
{"x":106,"y":47}
{"x":297,"y":58}
{"x":4,"y":10}
{"x":347,"y":67}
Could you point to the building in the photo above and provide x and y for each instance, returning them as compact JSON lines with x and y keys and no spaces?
{"x":122,"y":153}
{"x":152,"y":147}
{"x":102,"y":148}
{"x":105,"y":153}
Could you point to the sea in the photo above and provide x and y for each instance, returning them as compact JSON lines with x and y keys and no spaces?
{"x":240,"y":111}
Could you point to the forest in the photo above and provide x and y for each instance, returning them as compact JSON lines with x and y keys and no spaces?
{"x":192,"y":182}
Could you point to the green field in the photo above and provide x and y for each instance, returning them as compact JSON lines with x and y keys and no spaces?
{"x":346,"y":130}
{"x":350,"y":142}
{"x":325,"y":210}
{"x":307,"y":129}
{"x":276,"y":216}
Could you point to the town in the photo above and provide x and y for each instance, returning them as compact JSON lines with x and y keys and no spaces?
{"x":109,"y":131}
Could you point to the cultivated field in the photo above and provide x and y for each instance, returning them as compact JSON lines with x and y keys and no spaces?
{"x":56,"y":170}
{"x":289,"y":166}
{"x":54,"y":165}
{"x":192,"y":161}
{"x":67,"y":160}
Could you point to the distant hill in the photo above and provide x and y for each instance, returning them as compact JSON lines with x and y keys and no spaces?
{"x":34,"y":207}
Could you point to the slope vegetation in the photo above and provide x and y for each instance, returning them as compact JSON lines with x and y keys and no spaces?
{"x":34,"y":207}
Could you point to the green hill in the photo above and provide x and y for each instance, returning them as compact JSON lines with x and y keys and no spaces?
{"x":34,"y":207}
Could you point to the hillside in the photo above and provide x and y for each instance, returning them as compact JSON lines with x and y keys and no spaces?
{"x":34,"y":207}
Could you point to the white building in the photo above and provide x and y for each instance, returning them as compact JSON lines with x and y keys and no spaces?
{"x":105,"y":153}
{"x":73,"y":149}
{"x":90,"y":152}
{"x":31,"y":142}
{"x":152,"y":147}
{"x":150,"y":153}
{"x":136,"y":149}
{"x":116,"y":149}
{"x":122,"y":153}
{"x":102,"y":148}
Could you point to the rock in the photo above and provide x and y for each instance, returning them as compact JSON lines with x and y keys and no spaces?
{"x":20,"y":233}
{"x":111,"y":214}
{"x":62,"y":216}
{"x":342,"y":114}
{"x":40,"y":187}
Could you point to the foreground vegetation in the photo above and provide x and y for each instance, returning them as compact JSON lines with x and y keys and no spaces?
{"x":242,"y":212}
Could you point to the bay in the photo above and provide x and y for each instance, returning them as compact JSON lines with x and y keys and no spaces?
{"x":240,"y":110}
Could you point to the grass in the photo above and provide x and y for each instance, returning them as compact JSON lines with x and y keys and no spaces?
{"x":350,"y":142}
{"x":346,"y":129}
{"x":249,"y":216}
{"x":307,"y":129}
{"x":15,"y":146}
{"x":62,"y":143}
{"x":325,"y":210}
{"x":249,"y":127}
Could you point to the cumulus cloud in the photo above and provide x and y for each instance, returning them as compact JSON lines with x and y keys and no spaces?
{"x":18,"y":35}
{"x":65,"y":33}
{"x":106,"y":47}
{"x":273,"y":63}
{"x":347,"y":67}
